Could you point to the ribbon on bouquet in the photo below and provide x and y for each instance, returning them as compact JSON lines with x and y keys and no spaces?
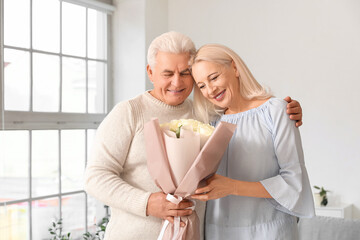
{"x":177,"y":220}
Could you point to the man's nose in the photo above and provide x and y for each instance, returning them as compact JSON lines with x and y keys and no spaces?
{"x":177,"y":81}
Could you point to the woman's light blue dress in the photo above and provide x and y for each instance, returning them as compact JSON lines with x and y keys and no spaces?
{"x":265,"y":147}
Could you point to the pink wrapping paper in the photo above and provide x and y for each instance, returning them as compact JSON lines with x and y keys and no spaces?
{"x":205,"y":164}
{"x":181,"y":152}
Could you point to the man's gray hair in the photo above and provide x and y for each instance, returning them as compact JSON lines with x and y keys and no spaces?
{"x":172,"y":42}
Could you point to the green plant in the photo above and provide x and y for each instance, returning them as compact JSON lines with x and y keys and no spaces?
{"x":56,"y":231}
{"x":323,"y":195}
{"x":100,"y":231}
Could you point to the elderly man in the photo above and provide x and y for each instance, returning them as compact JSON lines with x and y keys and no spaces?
{"x":117,"y":172}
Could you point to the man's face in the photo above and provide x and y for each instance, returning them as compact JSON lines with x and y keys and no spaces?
{"x":171,"y":77}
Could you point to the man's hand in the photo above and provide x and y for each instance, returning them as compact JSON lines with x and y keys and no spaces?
{"x":159,"y":207}
{"x":294,"y":110}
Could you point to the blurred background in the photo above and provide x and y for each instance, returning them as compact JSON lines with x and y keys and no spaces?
{"x":67,"y":63}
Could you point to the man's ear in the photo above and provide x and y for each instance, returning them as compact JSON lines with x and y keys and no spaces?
{"x":149,"y":72}
{"x":235,"y":69}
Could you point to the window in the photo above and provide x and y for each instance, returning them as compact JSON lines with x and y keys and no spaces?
{"x":53,"y":75}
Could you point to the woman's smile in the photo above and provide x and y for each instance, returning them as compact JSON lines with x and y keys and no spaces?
{"x":220,"y":96}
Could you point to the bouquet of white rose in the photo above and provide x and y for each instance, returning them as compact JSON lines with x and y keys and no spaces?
{"x":184,"y":139}
{"x":180,"y":154}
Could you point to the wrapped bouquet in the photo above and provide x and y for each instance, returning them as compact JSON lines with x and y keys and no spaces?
{"x":180,"y":154}
{"x":184,"y":139}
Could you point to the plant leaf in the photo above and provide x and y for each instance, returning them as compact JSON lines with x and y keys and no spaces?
{"x":324,"y":201}
{"x":177,"y":131}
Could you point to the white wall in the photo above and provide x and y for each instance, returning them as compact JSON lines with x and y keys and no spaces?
{"x":307,"y":49}
{"x":135,"y":24}
{"x":156,"y":24}
{"x":128,"y":49}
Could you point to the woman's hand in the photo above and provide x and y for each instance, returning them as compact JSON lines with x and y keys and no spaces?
{"x":294,"y":110}
{"x":218,"y":187}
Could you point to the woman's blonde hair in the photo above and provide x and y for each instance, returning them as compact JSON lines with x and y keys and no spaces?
{"x":249,"y":87}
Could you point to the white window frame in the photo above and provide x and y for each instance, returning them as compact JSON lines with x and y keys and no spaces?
{"x":29,"y":120}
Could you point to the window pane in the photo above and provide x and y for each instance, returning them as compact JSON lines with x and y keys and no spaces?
{"x":97,"y":78}
{"x":72,"y":159}
{"x":17,"y":80}
{"x":97,"y":35}
{"x":17,"y":23}
{"x":73,"y":212}
{"x":45,"y":163}
{"x":90,"y":141}
{"x":14,"y":165}
{"x":96,"y":212}
{"x":46,"y":83}
{"x":44,"y":212}
{"x":73,"y":29}
{"x":74,"y":85}
{"x":46,"y":25}
{"x":14,"y":221}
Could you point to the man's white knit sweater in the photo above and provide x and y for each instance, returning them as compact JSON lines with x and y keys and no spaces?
{"x":117,"y":173}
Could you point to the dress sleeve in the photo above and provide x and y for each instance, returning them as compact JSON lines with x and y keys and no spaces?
{"x":102,"y":175}
{"x":290,"y":189}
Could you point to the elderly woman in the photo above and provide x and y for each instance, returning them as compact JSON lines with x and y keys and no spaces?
{"x":262,"y":184}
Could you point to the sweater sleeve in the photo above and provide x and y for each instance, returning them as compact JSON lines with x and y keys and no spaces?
{"x":290,"y":189}
{"x":103,"y":172}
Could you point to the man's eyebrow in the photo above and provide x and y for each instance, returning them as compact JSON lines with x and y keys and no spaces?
{"x":167,"y":71}
{"x":187,"y":70}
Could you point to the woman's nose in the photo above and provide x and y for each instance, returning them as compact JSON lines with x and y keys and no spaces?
{"x":210,"y":89}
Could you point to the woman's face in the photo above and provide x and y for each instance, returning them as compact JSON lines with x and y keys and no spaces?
{"x":218,"y":83}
